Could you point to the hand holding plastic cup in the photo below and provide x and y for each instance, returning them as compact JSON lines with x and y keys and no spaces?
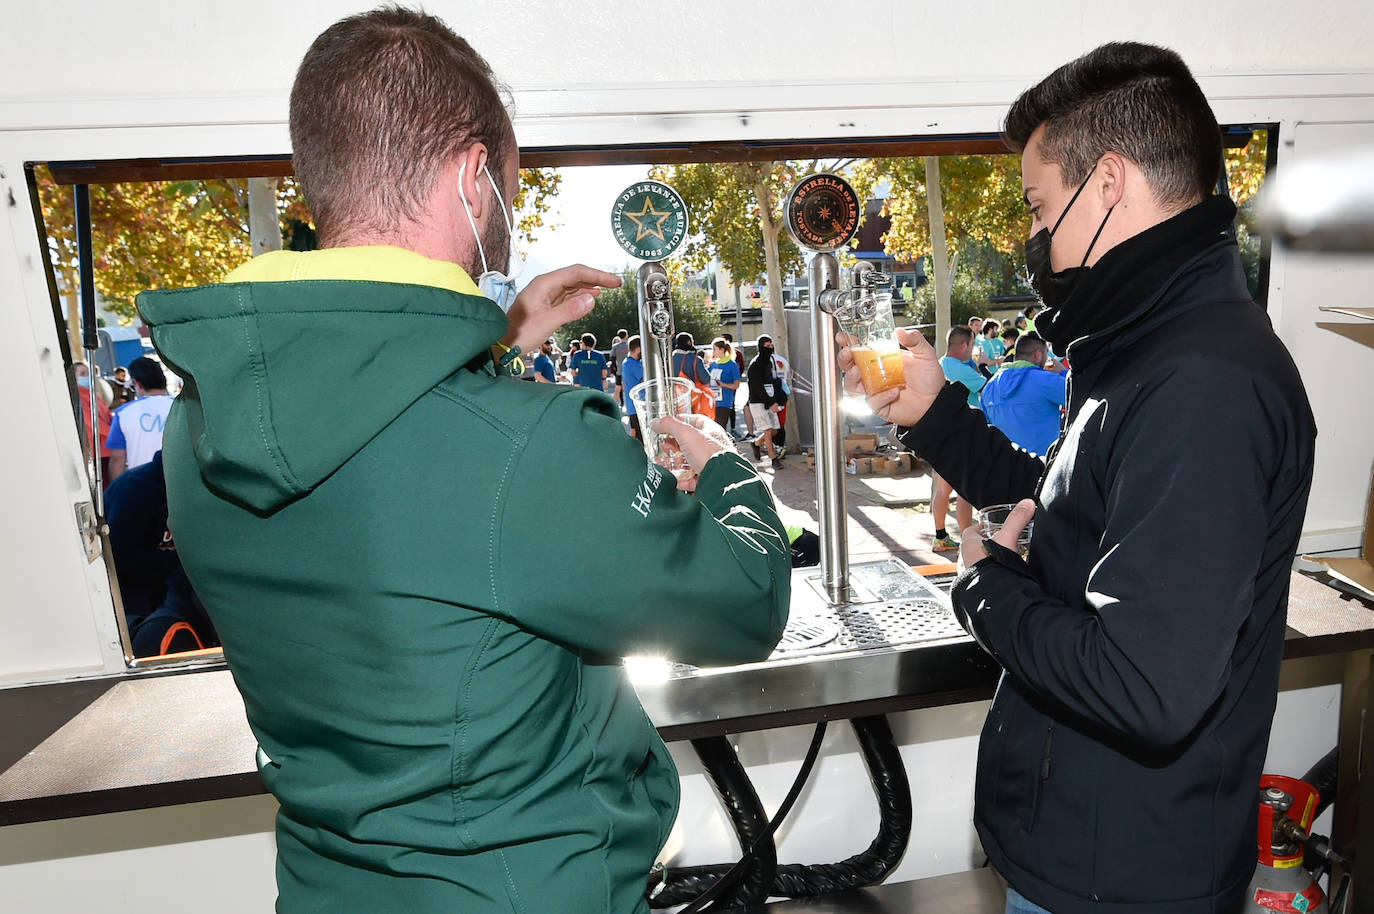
{"x":873,"y":341}
{"x":657,"y":398}
{"x":992,"y":518}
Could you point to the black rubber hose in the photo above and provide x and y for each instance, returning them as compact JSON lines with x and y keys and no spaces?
{"x":888,"y":775}
{"x":1322,"y":777}
{"x":736,"y":793}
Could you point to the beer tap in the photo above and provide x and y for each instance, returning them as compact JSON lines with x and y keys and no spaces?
{"x":823,"y":215}
{"x":655,"y":320}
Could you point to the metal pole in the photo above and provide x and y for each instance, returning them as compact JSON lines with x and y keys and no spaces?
{"x":90,"y":338}
{"x":834,"y":516}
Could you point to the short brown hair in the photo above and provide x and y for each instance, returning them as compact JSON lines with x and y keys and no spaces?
{"x":381,"y":101}
{"x":958,"y":332}
{"x":1138,"y":100}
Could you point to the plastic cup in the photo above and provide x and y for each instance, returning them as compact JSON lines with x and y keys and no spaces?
{"x":992,"y":518}
{"x":657,"y":398}
{"x":870,"y":325}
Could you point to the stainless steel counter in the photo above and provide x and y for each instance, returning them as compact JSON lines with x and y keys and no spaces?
{"x":83,"y":748}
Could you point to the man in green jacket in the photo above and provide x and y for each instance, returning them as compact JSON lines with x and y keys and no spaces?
{"x":355,"y":480}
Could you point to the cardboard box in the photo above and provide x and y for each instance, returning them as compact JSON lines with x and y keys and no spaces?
{"x":1356,"y":571}
{"x":859,"y":444}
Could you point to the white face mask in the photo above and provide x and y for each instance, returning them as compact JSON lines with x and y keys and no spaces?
{"x":497,"y":286}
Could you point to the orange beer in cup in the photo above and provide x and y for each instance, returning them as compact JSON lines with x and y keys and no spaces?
{"x":873,"y":340}
{"x":880,"y":369}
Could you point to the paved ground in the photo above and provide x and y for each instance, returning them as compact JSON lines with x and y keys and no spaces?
{"x":888,"y":515}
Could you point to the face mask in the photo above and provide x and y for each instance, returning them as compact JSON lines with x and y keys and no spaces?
{"x":84,"y":382}
{"x":497,"y":286}
{"x":1051,"y":287}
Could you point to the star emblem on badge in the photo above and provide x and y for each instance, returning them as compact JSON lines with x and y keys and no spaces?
{"x":648,"y":221}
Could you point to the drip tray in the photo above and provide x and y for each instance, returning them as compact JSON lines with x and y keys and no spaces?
{"x":891,"y":607}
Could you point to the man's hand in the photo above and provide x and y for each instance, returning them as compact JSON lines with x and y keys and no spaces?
{"x":971,"y":548}
{"x":924,"y":379}
{"x":553,"y":299}
{"x":697,"y":438}
{"x":1054,"y":365}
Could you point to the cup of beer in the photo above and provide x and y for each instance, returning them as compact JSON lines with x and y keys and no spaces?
{"x":873,"y":341}
{"x":654,"y":399}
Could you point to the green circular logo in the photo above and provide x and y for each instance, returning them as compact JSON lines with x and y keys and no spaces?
{"x":649,"y":220}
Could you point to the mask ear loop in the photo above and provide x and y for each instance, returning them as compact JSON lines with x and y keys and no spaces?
{"x":1091,"y":244}
{"x":510,"y":227}
{"x":476,"y":235}
{"x":1072,"y":201}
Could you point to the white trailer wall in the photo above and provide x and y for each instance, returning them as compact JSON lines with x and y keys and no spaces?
{"x":139,"y":78}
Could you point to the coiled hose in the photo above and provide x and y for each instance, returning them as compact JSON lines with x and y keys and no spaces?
{"x":888,"y":776}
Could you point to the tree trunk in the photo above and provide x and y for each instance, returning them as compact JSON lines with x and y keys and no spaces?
{"x":73,"y":300}
{"x":264,"y":224}
{"x":771,"y":228}
{"x":939,"y":252}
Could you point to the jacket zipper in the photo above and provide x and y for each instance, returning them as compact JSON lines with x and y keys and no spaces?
{"x":1039,"y":795}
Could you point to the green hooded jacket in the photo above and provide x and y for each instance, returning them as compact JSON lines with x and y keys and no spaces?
{"x":427,"y":655}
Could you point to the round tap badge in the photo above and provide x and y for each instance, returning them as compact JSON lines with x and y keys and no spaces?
{"x":649,"y":220}
{"x":822,"y":212}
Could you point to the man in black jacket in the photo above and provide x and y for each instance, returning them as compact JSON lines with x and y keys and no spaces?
{"x":765,"y":399}
{"x":1119,"y":766}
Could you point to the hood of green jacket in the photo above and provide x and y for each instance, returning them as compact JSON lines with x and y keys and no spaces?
{"x":352,"y":356}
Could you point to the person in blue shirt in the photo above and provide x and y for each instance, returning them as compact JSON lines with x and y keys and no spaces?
{"x":991,"y":343}
{"x":1024,"y":399}
{"x":725,"y":377}
{"x":958,"y":365}
{"x":588,"y":366}
{"x":543,"y":364}
{"x":631,"y":376}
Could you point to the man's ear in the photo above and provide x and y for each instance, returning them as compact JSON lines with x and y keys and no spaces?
{"x":1111,"y":182}
{"x":467,"y":166}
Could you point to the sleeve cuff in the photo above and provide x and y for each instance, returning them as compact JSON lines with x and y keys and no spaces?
{"x":953,"y":398}
{"x":968,"y":596}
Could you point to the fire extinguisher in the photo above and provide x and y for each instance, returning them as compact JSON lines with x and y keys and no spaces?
{"x":1287,"y":807}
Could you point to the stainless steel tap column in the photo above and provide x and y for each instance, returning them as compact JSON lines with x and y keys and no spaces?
{"x":834,"y":515}
{"x":655,"y":320}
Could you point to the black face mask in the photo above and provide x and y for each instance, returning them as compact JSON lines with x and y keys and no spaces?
{"x":1053,"y":288}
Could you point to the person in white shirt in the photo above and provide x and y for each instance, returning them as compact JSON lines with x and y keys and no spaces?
{"x":136,"y":427}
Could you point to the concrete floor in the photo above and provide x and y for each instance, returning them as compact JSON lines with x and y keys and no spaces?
{"x":888,"y":515}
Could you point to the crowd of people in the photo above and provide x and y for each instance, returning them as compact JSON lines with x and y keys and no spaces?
{"x":725,"y":385}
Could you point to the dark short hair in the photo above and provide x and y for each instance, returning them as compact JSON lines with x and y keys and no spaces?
{"x":684,"y":341}
{"x":588,"y":339}
{"x":1138,"y":100}
{"x":148,"y":373}
{"x":633,"y":342}
{"x":1011,"y":333}
{"x":1027,"y":346}
{"x":382,"y":100}
{"x":958,"y":332}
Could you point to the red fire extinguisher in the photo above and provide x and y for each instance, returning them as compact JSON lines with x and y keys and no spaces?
{"x":1286,"y":809}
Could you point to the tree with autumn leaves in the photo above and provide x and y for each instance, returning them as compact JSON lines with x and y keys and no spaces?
{"x":176,"y":234}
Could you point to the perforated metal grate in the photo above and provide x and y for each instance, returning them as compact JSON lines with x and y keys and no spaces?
{"x":807,"y":633}
{"x":872,"y":626}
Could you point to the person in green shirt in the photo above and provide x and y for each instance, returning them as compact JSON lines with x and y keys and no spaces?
{"x":352,"y":472}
